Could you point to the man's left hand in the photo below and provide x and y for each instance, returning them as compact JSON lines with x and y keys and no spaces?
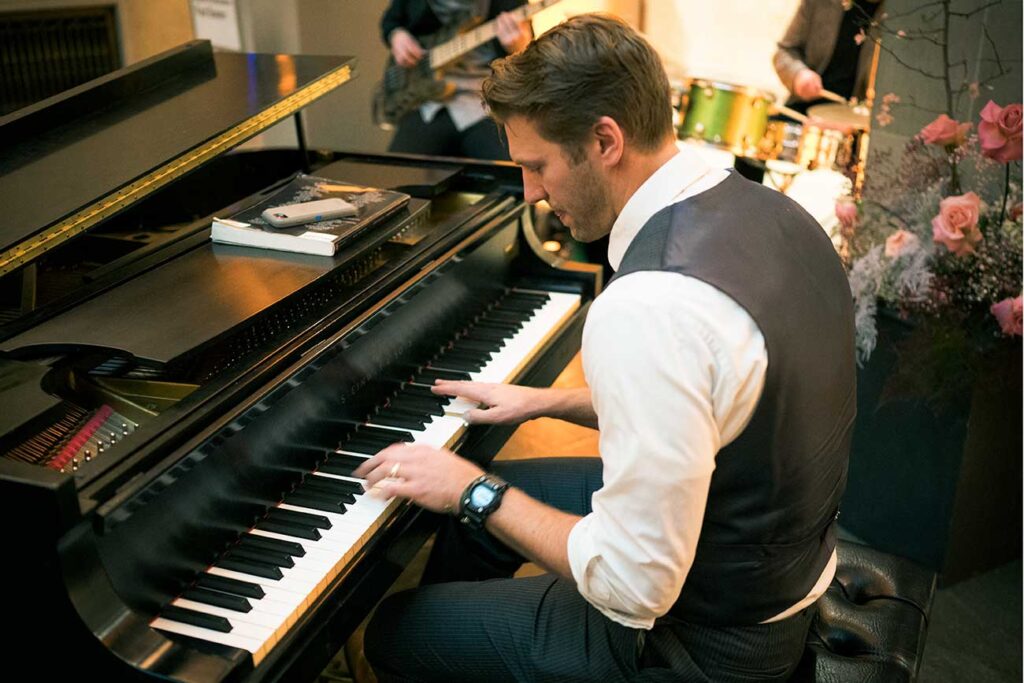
{"x":432,"y":478}
{"x":513,"y":34}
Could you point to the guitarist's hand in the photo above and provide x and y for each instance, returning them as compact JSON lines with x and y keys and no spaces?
{"x":512,"y":34}
{"x":404,"y":48}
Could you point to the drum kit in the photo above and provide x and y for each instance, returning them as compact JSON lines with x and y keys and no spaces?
{"x":736,"y":118}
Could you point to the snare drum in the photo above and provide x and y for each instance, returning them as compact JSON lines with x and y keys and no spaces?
{"x":781,"y":141}
{"x":733,"y":117}
{"x":836,"y":138}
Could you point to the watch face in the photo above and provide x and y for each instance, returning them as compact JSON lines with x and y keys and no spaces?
{"x":480,"y":496}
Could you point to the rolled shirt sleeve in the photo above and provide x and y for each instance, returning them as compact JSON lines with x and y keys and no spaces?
{"x":673,"y":379}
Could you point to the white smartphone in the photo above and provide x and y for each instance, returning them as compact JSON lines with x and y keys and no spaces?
{"x":308,"y":212}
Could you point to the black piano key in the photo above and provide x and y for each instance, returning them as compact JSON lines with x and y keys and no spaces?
{"x":187,"y":616}
{"x":429,"y":376}
{"x":229,"y":585}
{"x":286,"y":529}
{"x":490,"y":336}
{"x":465,"y":344}
{"x":385,"y":434}
{"x":419,"y":391}
{"x":275,"y":544}
{"x":524,"y":297}
{"x":519,"y":295}
{"x":315,"y":484}
{"x":297,"y":517}
{"x":424,"y":406}
{"x":471,"y":359}
{"x":232,"y":602}
{"x":342,"y":464}
{"x":452,"y":361}
{"x":379,"y":441}
{"x":506,"y":329}
{"x":271,"y":557}
{"x":367,"y":448}
{"x":397,"y":421}
{"x":237,"y":564}
{"x":499,"y":315}
{"x":517,"y":306}
{"x":309,"y":499}
{"x":336,"y":486}
{"x":411,"y":413}
{"x":468,"y":354}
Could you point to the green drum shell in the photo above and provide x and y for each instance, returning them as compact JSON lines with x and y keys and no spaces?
{"x":729,"y":116}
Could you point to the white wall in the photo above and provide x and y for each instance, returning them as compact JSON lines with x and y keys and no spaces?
{"x":724,"y":40}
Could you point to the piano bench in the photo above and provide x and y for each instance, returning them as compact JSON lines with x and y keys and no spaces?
{"x":871,"y":622}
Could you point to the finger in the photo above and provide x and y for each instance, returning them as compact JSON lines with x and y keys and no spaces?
{"x":375,"y":466}
{"x":480,"y":416}
{"x":474,"y":391}
{"x":415,"y":50}
{"x":389,"y":488}
{"x":367,"y":468}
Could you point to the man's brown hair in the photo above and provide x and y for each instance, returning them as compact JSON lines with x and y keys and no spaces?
{"x":590,"y":66}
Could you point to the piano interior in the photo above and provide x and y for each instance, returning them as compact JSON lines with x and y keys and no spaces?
{"x":180,"y":419}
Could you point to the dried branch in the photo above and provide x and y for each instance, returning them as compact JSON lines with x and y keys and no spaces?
{"x":976,"y":10}
{"x":913,"y":11}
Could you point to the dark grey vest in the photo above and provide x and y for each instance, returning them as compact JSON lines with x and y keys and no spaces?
{"x":769,"y":526}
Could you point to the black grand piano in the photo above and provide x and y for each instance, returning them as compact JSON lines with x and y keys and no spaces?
{"x":179,"y":419}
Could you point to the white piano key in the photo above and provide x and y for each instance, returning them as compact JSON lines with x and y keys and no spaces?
{"x":257,"y":615}
{"x":232,"y":639}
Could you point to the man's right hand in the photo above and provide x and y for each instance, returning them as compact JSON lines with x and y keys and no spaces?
{"x":404,"y":48}
{"x":807,"y":85}
{"x":499,"y":403}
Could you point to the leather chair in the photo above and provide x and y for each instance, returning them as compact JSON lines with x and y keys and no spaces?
{"x":871,"y":622}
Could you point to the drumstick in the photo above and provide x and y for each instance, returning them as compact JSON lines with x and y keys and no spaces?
{"x":835,"y":97}
{"x":791,"y":113}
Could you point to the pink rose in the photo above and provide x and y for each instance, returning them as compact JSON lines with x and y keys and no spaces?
{"x":945,"y":132}
{"x":846,"y":212}
{"x":901,"y":242}
{"x":1010,"y":315}
{"x":956,"y":226}
{"x":1000,"y":132}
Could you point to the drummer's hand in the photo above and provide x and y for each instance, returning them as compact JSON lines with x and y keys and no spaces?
{"x":807,"y":84}
{"x":404,"y":48}
{"x":514,"y":35}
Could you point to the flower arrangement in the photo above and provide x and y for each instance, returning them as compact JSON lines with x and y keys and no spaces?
{"x":945,"y":258}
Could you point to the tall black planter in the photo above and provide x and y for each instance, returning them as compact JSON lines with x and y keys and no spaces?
{"x":941,"y":486}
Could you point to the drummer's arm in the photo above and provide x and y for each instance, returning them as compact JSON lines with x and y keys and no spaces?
{"x":789,"y":58}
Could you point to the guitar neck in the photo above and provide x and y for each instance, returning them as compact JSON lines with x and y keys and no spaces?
{"x":459,"y":45}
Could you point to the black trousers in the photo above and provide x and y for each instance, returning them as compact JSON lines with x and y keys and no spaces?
{"x":470,"y":621}
{"x":440,"y":137}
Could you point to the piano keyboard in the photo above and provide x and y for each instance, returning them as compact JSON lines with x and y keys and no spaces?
{"x":255,"y":592}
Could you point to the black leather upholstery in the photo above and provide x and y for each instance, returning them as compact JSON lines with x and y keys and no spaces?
{"x":872,"y":621}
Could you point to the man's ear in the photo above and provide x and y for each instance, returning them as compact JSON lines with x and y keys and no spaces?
{"x":610,"y":140}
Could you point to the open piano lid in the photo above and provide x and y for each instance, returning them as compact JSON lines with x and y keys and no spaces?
{"x":73,"y":160}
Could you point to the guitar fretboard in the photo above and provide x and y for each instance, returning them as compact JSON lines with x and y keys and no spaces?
{"x":459,"y":45}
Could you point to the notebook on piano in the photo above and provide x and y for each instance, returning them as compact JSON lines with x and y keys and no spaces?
{"x":249,"y":228}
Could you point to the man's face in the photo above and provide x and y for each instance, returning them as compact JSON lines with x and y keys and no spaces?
{"x":577,"y":192}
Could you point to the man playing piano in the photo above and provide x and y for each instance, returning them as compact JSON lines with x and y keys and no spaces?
{"x":720,"y":371}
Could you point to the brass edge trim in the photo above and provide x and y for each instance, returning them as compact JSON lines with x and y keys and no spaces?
{"x":115,"y":201}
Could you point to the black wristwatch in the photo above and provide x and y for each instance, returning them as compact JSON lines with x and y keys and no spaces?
{"x":481,"y":498}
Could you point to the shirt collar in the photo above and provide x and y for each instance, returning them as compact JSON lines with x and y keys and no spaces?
{"x":665,"y":187}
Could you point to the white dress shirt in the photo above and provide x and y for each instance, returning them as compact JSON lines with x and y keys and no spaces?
{"x":675,"y":368}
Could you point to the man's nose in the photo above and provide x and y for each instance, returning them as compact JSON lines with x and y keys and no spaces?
{"x":533,"y":191}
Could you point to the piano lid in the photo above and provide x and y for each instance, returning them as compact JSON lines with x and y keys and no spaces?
{"x":75,"y":159}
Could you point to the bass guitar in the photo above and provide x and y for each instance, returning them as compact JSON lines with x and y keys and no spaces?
{"x":404,"y":89}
